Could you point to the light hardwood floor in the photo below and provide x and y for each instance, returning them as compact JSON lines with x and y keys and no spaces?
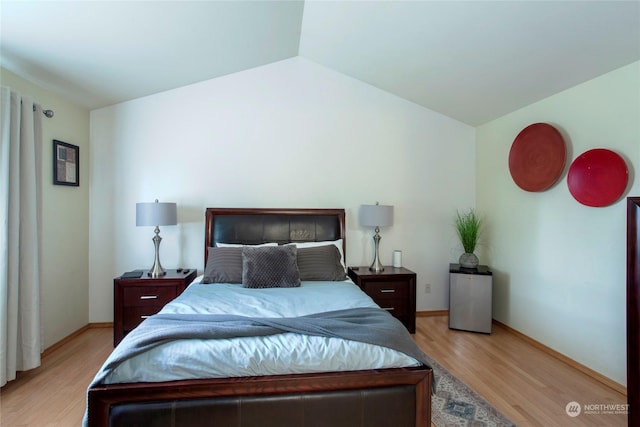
{"x":53,"y":395}
{"x":526,"y":384}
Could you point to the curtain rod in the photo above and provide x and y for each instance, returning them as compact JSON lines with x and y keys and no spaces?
{"x":47,"y":113}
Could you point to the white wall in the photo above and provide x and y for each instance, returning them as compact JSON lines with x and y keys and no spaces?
{"x":65,"y":216}
{"x":559,"y":266}
{"x":289,"y":134}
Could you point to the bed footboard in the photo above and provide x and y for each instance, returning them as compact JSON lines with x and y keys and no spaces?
{"x":377,"y":398}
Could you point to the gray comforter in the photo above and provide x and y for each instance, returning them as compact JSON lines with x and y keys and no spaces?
{"x":368,"y":325}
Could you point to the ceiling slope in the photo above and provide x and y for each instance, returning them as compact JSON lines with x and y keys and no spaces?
{"x":471,"y":60}
{"x":99,"y":53}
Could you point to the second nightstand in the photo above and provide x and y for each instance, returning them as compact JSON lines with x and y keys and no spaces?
{"x":393,"y":289}
{"x":138,"y":298}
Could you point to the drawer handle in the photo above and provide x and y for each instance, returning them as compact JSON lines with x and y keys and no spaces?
{"x":149,"y":297}
{"x":387,"y":291}
{"x":388,"y":308}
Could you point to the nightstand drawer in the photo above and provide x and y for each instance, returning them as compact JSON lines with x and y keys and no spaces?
{"x":136,"y":298}
{"x":393,"y":289}
{"x":386,"y":289}
{"x":144,"y":296}
{"x":395,"y":306}
{"x":135,"y":315}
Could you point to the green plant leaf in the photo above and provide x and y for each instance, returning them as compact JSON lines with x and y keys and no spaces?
{"x":468,"y":226}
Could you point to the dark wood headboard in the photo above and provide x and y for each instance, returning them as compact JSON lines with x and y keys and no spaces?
{"x":253,"y":226}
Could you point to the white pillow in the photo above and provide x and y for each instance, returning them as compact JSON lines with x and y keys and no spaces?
{"x":239,"y":245}
{"x":337,"y":243}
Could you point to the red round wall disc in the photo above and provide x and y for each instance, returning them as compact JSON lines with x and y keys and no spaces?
{"x":598,"y":177}
{"x":537,"y":157}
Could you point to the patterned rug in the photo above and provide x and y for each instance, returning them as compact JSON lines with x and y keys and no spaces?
{"x":455,"y":404}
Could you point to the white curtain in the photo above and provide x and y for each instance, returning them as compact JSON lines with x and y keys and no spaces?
{"x":20,"y":200}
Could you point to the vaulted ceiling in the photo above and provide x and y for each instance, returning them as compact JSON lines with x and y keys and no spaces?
{"x":471,"y":60}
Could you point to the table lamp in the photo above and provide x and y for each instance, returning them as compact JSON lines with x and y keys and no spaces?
{"x":156,"y":214}
{"x":376,"y":216}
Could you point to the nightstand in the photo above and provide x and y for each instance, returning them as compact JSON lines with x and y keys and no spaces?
{"x":393,"y":289}
{"x":138,"y":298}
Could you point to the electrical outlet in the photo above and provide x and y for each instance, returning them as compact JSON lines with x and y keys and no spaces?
{"x":427,"y":288}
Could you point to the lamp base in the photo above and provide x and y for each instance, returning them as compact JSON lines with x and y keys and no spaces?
{"x":376,"y":266}
{"x":156,"y":269}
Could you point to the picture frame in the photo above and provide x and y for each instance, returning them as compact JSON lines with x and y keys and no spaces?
{"x":66,"y":164}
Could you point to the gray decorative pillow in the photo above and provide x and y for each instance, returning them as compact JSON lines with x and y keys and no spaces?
{"x":320,"y":263}
{"x":224,"y":265}
{"x":270,"y":267}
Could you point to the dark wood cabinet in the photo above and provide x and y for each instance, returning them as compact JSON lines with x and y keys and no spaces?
{"x":393,"y":289}
{"x":136,"y":299}
{"x":633,"y":310}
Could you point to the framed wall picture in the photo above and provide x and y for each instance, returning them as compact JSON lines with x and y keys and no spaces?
{"x":66,"y":164}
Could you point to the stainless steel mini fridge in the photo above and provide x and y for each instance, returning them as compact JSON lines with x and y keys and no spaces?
{"x":470,"y":298}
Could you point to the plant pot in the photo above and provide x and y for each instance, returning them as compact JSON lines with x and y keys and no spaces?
{"x":468,"y":260}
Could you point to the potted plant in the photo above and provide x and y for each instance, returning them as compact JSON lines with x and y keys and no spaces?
{"x":468,"y":226}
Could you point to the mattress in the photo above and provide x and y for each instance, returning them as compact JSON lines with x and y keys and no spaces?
{"x":286,"y":353}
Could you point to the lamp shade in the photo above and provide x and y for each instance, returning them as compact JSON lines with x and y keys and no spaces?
{"x":376,"y":215}
{"x":156,"y":214}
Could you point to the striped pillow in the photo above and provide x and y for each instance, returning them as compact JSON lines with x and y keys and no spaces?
{"x":224,"y":265}
{"x":320,"y":263}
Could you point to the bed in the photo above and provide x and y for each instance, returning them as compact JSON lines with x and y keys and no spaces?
{"x":282,"y":390}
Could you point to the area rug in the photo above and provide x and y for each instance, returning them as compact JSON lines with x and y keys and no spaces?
{"x":455,"y":404}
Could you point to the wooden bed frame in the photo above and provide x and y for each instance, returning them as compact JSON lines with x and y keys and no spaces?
{"x":384,"y":397}
{"x":633,"y":309}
